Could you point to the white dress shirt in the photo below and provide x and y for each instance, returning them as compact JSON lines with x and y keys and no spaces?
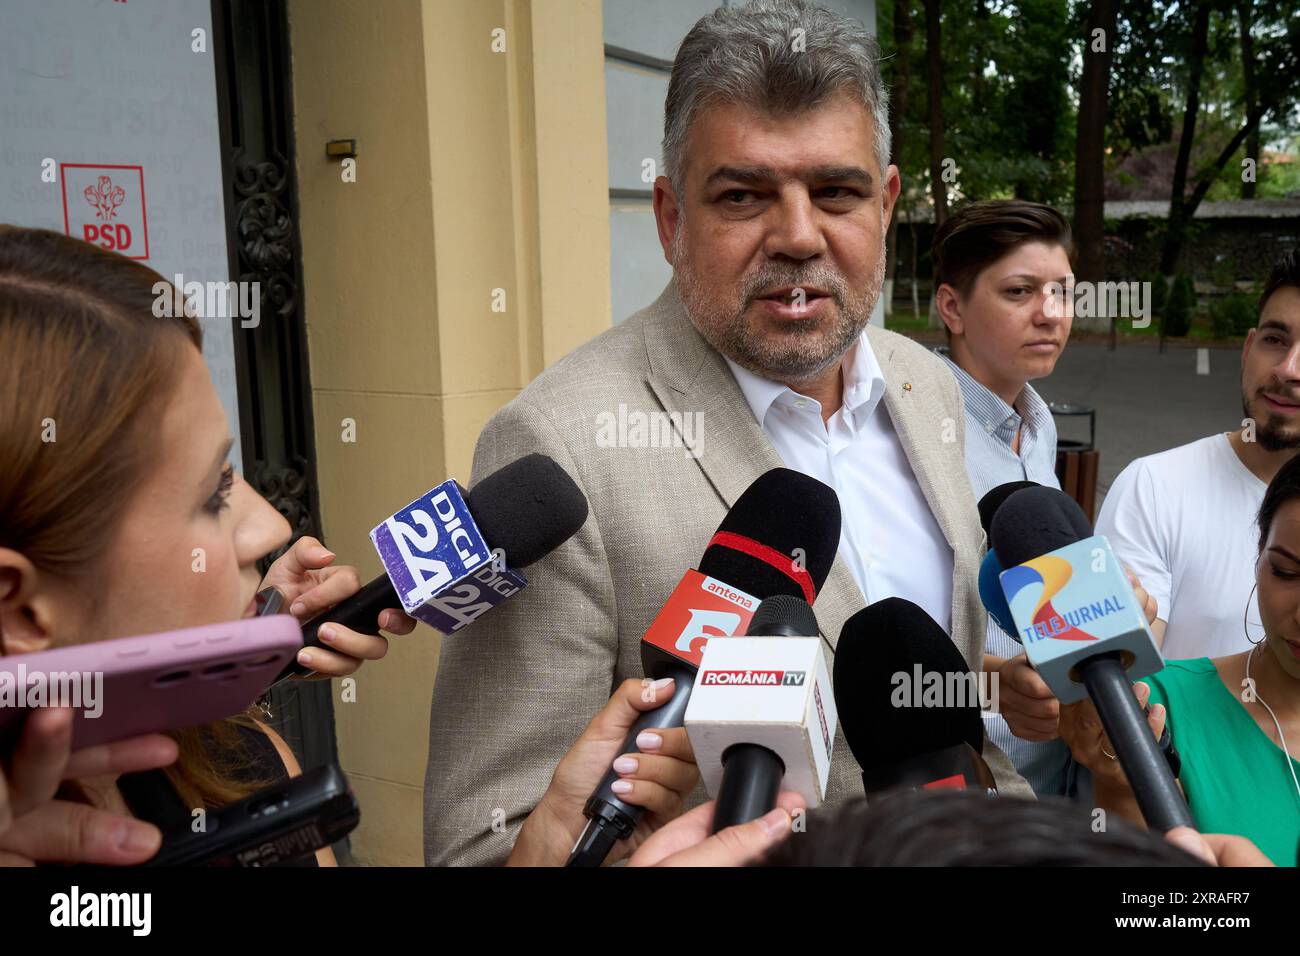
{"x":889,"y":539}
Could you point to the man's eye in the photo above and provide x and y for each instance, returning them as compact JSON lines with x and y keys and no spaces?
{"x":736,"y":195}
{"x":844,"y":192}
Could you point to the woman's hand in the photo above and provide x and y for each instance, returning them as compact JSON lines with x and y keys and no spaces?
{"x":1150,"y":606}
{"x":1218,"y":849}
{"x":658,"y":778}
{"x":687,"y":841}
{"x":311,"y":583}
{"x":1082,"y":731}
{"x":1025,"y":702}
{"x":36,"y":828}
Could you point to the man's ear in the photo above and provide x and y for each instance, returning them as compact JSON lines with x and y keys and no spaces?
{"x":24,"y":609}
{"x":893,"y":185}
{"x":667,"y":215}
{"x":948,"y":305}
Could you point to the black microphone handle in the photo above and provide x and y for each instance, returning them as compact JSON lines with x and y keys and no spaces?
{"x":751,"y":779}
{"x":609,"y":819}
{"x":1147,"y":769}
{"x":359,"y":612}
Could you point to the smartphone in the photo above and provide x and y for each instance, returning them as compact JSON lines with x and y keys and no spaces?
{"x":280,"y":824}
{"x":127,"y":686}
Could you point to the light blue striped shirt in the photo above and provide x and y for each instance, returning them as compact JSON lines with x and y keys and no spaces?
{"x":991,"y":425}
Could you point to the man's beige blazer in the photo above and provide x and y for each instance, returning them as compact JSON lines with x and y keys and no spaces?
{"x":516,"y":688}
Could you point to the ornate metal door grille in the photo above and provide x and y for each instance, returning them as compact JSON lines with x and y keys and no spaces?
{"x":255,"y":105}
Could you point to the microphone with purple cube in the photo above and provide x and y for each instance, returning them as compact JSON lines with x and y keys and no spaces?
{"x":450,"y":556}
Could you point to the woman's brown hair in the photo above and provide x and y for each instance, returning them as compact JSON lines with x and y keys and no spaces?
{"x":979,"y":234}
{"x":85,"y":359}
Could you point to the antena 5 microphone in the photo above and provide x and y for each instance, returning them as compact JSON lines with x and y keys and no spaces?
{"x":908,"y":702}
{"x":780,"y":537}
{"x":1075,"y":613}
{"x":762,"y":712}
{"x":451,"y":555}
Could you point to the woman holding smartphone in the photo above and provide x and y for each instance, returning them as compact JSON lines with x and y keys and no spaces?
{"x":120,"y":515}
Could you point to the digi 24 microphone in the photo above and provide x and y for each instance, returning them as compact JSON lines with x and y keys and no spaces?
{"x":762,"y":712}
{"x":450,"y":555}
{"x":780,"y":537}
{"x":1075,"y":613}
{"x":908,"y":702}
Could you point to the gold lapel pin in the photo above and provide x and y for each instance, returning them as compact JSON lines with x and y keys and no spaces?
{"x":907,"y":386}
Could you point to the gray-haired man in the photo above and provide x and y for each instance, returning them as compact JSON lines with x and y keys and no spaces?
{"x":773,"y":215}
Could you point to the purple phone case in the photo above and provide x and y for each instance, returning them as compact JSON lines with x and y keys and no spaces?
{"x":158,"y":682}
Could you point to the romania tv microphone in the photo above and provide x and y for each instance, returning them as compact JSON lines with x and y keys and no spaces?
{"x":451,"y":555}
{"x":908,"y":703}
{"x":762,"y":712}
{"x":1075,"y":613}
{"x":780,"y":537}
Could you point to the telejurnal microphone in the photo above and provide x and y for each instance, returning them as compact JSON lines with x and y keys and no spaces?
{"x":990,"y":588}
{"x":762,"y":711}
{"x":780,"y":537}
{"x":994,"y":498}
{"x":1076,"y":616}
{"x":908,"y":702}
{"x":995,"y":601}
{"x":451,"y":555}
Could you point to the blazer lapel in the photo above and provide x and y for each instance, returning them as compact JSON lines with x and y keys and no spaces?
{"x":686,"y":374}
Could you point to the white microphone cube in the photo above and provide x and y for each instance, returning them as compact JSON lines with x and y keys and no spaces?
{"x":770,"y":691}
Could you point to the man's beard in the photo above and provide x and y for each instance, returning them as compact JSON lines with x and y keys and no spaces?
{"x":801,"y":349}
{"x":1270,"y":435}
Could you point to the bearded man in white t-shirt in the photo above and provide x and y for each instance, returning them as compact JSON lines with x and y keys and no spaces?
{"x":1184,"y":519}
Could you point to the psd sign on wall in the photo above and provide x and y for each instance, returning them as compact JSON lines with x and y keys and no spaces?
{"x":106,"y":205}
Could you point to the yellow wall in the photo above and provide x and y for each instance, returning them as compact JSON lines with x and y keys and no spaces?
{"x":476,"y":171}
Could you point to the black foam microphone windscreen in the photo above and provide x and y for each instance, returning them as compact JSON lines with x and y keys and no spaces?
{"x":783,"y":615}
{"x":994,"y":497}
{"x":893,"y":637}
{"x":527,"y":508}
{"x":780,"y":537}
{"x":1043,"y":519}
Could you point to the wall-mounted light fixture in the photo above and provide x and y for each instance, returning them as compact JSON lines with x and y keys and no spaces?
{"x":341,"y":149}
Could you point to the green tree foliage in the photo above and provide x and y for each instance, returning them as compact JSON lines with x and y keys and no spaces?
{"x":1008,"y":111}
{"x":1179,"y":306}
{"x":1011,"y":75}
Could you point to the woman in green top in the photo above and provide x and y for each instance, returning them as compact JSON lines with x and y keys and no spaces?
{"x":1235,"y":720}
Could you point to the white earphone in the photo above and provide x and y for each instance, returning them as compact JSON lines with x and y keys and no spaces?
{"x":1290,"y":763}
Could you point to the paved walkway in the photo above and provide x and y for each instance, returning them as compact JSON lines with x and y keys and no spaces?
{"x":1146,"y":402}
